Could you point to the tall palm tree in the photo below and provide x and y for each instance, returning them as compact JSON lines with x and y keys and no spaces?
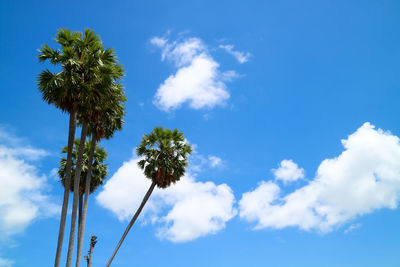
{"x":165,"y":154}
{"x":62,"y":90}
{"x":105,"y":120}
{"x":100,"y":69}
{"x":87,"y":70}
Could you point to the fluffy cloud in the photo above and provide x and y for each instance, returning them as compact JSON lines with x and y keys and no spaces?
{"x":241,"y":57}
{"x":288,"y":171}
{"x":22,"y":197}
{"x":183,"y":212}
{"x":365,"y":177}
{"x":197,"y":209}
{"x":197,"y":80}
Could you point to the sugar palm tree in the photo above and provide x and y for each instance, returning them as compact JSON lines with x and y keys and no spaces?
{"x":99,"y":71}
{"x":61,"y":89}
{"x":105,"y":119}
{"x":164,"y":155}
{"x":87,"y":70}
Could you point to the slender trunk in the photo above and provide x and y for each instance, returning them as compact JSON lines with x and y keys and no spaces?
{"x":81,"y":228}
{"x":146,"y":197}
{"x":80,"y":214}
{"x":93,"y":241}
{"x":77,"y":177}
{"x":71,"y":136}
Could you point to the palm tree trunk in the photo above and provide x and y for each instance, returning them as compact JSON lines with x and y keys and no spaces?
{"x":80,"y":214}
{"x":81,"y":228}
{"x":77,"y":177}
{"x":146,"y":197}
{"x":71,"y":136}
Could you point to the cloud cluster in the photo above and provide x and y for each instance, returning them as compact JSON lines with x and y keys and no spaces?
{"x":197,"y":80}
{"x":22,"y":197}
{"x":365,"y":177}
{"x":183,"y":212}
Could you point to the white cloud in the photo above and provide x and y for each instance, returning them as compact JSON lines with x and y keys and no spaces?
{"x":183,"y":212}
{"x":288,"y":171}
{"x":22,"y":197}
{"x":365,"y":177}
{"x":16,"y":146}
{"x":197,"y":209}
{"x":197,"y":80}
{"x":28,"y":153}
{"x":123,"y":192}
{"x":241,"y":57}
{"x":352,"y":228}
{"x":214,"y":161}
{"x":199,"y":162}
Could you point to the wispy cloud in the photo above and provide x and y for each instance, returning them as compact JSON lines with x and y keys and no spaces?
{"x":241,"y":57}
{"x":6,"y":262}
{"x":352,"y":228}
{"x":214,"y":161}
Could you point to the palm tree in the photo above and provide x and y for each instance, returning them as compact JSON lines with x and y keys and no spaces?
{"x":165,"y":154}
{"x":61,"y":90}
{"x":105,"y":121}
{"x":100,"y":70}
{"x":87,"y":72}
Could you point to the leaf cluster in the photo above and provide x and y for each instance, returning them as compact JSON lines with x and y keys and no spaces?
{"x":99,"y":168}
{"x":89,"y":78}
{"x":165,"y":153}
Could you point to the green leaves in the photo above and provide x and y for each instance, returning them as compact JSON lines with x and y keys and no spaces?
{"x":165,"y":154}
{"x":46,"y":53}
{"x":99,"y":169}
{"x":89,"y":81}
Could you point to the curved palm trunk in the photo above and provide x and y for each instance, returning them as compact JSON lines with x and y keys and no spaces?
{"x":81,"y":228}
{"x":146,"y":197}
{"x":77,"y":177}
{"x":71,"y":136}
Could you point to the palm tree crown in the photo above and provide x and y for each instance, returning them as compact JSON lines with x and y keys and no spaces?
{"x":165,"y":155}
{"x":98,"y":172}
{"x":87,"y":70}
{"x":105,"y":118}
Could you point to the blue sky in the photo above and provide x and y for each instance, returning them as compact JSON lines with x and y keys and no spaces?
{"x":292,"y":107}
